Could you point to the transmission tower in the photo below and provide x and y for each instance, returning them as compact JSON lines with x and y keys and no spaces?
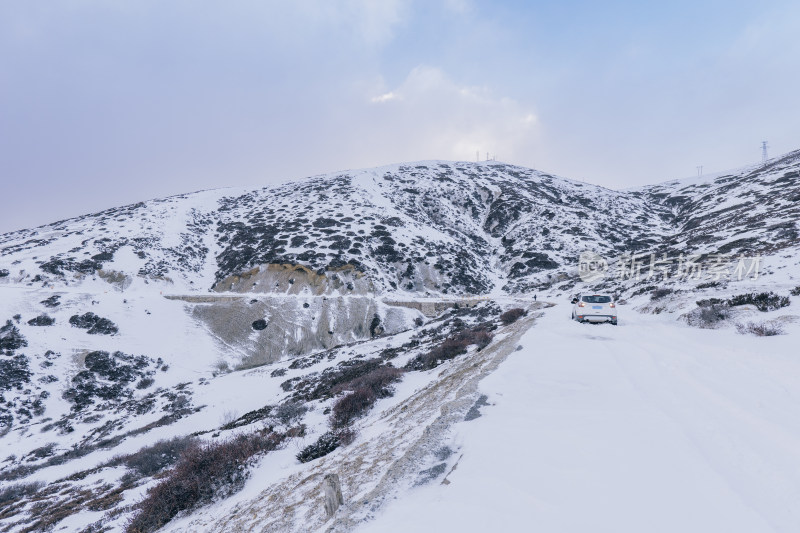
{"x":763,"y":152}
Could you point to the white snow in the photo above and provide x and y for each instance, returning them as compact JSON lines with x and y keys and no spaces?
{"x":649,"y":426}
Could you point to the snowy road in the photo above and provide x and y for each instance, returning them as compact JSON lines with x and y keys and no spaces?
{"x":649,"y":426}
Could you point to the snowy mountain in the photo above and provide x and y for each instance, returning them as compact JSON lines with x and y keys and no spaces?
{"x":204,"y":316}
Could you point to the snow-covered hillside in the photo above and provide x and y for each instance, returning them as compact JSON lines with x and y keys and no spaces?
{"x":209,"y":315}
{"x":647,"y":427}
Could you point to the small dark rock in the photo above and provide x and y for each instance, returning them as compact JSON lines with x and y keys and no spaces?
{"x":375,"y":327}
{"x":426,"y":476}
{"x":474,"y":411}
{"x":259,"y":324}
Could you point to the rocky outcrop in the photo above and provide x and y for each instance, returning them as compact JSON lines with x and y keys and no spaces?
{"x":263,"y":330}
{"x":289,"y":278}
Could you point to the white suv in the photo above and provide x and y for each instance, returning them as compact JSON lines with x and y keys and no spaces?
{"x":594,"y":308}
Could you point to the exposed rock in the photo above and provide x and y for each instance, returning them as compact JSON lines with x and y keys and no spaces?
{"x":120,"y":280}
{"x":294,"y":327}
{"x":297,"y":279}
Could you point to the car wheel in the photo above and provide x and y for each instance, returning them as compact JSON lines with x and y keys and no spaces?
{"x":613,"y":322}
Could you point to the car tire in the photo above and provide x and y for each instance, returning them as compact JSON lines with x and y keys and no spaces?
{"x":613,"y":322}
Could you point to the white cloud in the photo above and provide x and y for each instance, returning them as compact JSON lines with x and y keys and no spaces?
{"x":372,"y":22}
{"x":376,"y":19}
{"x":383,"y":98}
{"x":430,"y":116}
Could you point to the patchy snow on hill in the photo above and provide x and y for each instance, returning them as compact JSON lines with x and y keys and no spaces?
{"x":355,"y":320}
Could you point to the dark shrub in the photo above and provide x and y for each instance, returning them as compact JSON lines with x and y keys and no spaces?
{"x":512,"y":315}
{"x":42,"y":320}
{"x":4,"y":273}
{"x":378,"y":381}
{"x":795,"y":291}
{"x":288,"y":412}
{"x":765,"y":301}
{"x":145,"y":382}
{"x":708,"y":316}
{"x":325,"y":444}
{"x":95,"y":325}
{"x":202,"y":474}
{"x":14,"y":372}
{"x":14,"y":493}
{"x":660,"y":293}
{"x":451,"y":347}
{"x":714,"y":313}
{"x":345,"y":372}
{"x":106,"y":377}
{"x":709,"y":302}
{"x":43,"y":451}
{"x":249,"y":417}
{"x":349,"y":407}
{"x":760,"y":329}
{"x":642,"y":290}
{"x":153,"y":459}
{"x":53,"y":301}
{"x":11,"y":339}
{"x":346,"y":435}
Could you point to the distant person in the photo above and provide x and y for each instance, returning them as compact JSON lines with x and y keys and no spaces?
{"x":534,"y":297}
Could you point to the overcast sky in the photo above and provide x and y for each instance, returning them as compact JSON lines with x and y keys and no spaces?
{"x":106,"y":103}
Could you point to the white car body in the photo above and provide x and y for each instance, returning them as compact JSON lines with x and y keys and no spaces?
{"x":594,"y":308}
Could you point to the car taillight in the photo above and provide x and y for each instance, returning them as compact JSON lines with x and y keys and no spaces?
{"x":581,"y":304}
{"x":612,"y":304}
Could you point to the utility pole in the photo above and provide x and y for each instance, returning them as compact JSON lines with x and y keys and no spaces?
{"x":763,"y":152}
{"x":699,"y":170}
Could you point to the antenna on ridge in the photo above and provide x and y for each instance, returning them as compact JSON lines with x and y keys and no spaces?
{"x":699,"y":170}
{"x":763,"y":152}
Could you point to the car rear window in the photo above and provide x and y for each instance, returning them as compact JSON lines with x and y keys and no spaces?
{"x":597,"y":299}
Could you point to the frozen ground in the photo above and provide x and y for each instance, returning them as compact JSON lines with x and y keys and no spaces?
{"x":649,"y":426}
